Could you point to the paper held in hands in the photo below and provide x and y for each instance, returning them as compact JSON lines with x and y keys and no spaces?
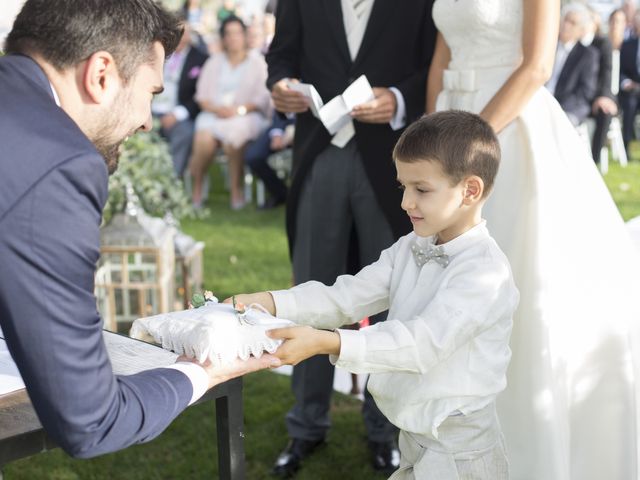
{"x":335,"y":114}
{"x":215,"y":331}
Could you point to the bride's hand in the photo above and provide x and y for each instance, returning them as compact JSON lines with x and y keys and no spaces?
{"x":245,"y":299}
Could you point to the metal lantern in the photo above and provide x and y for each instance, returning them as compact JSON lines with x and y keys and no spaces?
{"x":188,"y":268}
{"x":135,"y":275}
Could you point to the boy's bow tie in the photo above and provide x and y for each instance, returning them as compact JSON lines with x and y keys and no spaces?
{"x":429,"y":252}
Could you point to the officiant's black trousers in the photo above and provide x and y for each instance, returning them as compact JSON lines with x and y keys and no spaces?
{"x":336,"y":199}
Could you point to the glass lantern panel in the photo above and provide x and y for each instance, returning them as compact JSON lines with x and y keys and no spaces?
{"x":119,"y":301}
{"x":151,"y":304}
{"x":112,"y":265}
{"x":142,"y":268}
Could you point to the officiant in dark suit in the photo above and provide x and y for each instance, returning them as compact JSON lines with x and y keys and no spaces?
{"x":343,"y":207}
{"x":78,"y":78}
{"x":574,"y":78}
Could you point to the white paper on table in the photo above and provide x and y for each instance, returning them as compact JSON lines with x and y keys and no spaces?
{"x":129,"y":356}
{"x":10,"y":379}
{"x":311,"y":94}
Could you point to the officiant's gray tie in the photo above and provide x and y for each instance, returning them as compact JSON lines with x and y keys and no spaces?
{"x":359,"y":6}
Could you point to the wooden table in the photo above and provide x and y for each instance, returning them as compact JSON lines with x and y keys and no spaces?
{"x":21,"y":434}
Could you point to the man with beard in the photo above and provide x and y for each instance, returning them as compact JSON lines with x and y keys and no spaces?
{"x":78,"y":79}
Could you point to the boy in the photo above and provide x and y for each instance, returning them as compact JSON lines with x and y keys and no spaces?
{"x":439,"y":360}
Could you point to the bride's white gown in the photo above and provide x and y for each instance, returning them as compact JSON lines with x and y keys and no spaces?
{"x":569,"y":411}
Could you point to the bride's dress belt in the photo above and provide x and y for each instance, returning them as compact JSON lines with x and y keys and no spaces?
{"x":470,"y":80}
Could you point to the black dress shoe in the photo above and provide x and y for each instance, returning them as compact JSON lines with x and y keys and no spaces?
{"x":288,"y":462}
{"x":385,"y":456}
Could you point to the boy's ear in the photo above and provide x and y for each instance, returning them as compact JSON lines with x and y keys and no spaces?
{"x":473,"y":189}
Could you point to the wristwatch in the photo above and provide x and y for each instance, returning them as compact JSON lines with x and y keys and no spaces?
{"x":241,"y":110}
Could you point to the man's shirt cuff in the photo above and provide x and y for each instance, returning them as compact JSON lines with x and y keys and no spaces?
{"x":197,"y":376}
{"x":399,"y":120}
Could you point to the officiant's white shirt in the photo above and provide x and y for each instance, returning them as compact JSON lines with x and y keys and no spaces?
{"x":354,"y":28}
{"x":444,"y":348}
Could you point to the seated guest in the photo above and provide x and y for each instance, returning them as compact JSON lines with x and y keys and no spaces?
{"x":629,"y":86}
{"x":257,"y":153}
{"x":617,"y":24}
{"x":235,"y":107}
{"x":629,"y":8}
{"x":604,"y":105}
{"x":575,"y":72}
{"x":175,"y":106}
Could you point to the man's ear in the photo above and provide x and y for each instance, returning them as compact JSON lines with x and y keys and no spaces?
{"x":473,"y":189}
{"x":100,"y":77}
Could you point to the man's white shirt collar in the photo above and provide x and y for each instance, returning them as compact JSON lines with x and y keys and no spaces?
{"x":55,"y":94}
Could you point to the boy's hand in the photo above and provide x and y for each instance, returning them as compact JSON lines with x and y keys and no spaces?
{"x":245,"y":299}
{"x":301,"y":343}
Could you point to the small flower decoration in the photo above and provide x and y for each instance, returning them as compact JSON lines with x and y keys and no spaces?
{"x":201,"y":299}
{"x":197,"y":300}
{"x":194,"y":72}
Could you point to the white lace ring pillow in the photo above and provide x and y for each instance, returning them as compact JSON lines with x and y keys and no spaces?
{"x":213,"y":331}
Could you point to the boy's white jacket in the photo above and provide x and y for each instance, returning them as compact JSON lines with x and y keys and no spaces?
{"x":444,"y":347}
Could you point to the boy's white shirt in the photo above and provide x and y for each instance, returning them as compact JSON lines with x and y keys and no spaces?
{"x":445,"y":344}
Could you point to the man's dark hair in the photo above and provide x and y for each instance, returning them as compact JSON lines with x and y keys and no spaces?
{"x":227,"y":21}
{"x":461,"y":142}
{"x":67,"y":32}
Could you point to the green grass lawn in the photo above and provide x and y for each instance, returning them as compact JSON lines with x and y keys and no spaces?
{"x":247,"y":251}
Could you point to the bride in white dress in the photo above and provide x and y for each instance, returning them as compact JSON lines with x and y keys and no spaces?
{"x":569,"y":411}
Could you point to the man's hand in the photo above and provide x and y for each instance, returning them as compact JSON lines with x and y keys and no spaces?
{"x":629,"y":85}
{"x":221,"y":374}
{"x":287,"y":100}
{"x":301,"y":343}
{"x":262,"y":298}
{"x":379,"y":110}
{"x":606,"y":105}
{"x":168,"y":121}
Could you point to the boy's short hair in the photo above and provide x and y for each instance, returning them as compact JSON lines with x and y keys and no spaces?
{"x":461,"y":142}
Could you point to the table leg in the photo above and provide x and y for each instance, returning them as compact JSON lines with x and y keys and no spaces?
{"x":230,"y":427}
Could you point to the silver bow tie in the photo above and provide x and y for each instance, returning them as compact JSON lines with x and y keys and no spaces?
{"x":430,"y":252}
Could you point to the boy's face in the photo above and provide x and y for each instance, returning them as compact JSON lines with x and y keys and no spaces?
{"x":432,"y":203}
